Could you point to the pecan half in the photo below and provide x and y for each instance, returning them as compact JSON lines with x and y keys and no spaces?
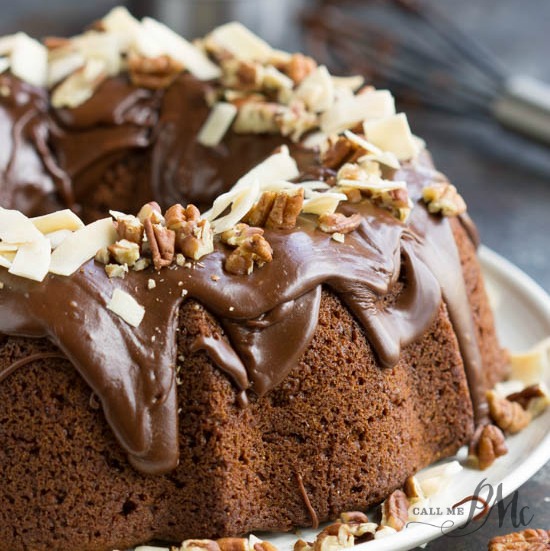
{"x":233,"y":544}
{"x":443,"y":197}
{"x":338,"y":153}
{"x":524,"y":397}
{"x":151,"y":210}
{"x":338,"y":222}
{"x":487,"y":445}
{"x":354,"y":517}
{"x":276,"y":210}
{"x":194,"y":236}
{"x":264,"y":546}
{"x":507,"y":415}
{"x":153,"y":72}
{"x":395,"y":510}
{"x":251,"y":248}
{"x":528,"y":540}
{"x":162,"y":243}
{"x":302,"y":545}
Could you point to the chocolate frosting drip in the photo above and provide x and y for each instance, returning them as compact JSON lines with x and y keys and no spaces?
{"x":391,"y":275}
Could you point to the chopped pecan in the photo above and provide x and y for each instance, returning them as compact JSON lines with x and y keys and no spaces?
{"x":276,"y":210}
{"x":396,"y":201}
{"x":103,"y":256}
{"x":395,"y":510}
{"x":442,"y":197}
{"x":353,"y":194}
{"x":487,"y":445}
{"x":334,"y":537}
{"x":194,"y":236}
{"x":299,"y":67}
{"x":242,"y":75}
{"x":162,"y":243}
{"x":264,"y":546}
{"x":302,"y":545}
{"x":354,"y":517}
{"x":153,"y":72}
{"x":294,"y":120}
{"x":338,"y":153}
{"x":251,"y":248}
{"x":199,"y":545}
{"x":125,"y":252}
{"x":233,"y":544}
{"x":339,"y":223}
{"x":528,"y":540}
{"x":130,"y":228}
{"x":524,"y":397}
{"x":257,"y":117}
{"x":116,"y":270}
{"x":55,"y":42}
{"x":413,"y":490}
{"x":507,"y":415}
{"x":151,"y":211}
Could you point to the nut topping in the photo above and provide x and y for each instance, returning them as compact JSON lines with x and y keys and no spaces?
{"x":233,"y":544}
{"x":354,"y":517}
{"x":395,"y":511}
{"x":339,"y":223}
{"x":509,"y":416}
{"x":487,"y":445}
{"x":151,"y":211}
{"x":524,"y":397}
{"x":443,"y":198}
{"x":194,"y":236}
{"x":125,"y":252}
{"x":251,"y":248}
{"x":129,"y":228}
{"x":276,"y":210}
{"x":299,"y":67}
{"x":162,"y":243}
{"x":528,"y":540}
{"x":153,"y":72}
{"x":199,"y":545}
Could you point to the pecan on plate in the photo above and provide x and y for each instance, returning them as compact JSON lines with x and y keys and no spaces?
{"x":199,"y":545}
{"x":339,"y":223}
{"x":525,"y":396}
{"x":487,"y":445}
{"x":251,"y":248}
{"x":276,"y":210}
{"x":153,"y":72}
{"x":233,"y":544}
{"x":507,"y":415}
{"x":395,"y":510}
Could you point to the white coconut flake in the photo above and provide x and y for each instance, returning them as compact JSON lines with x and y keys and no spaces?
{"x":392,"y":134}
{"x":436,"y":479}
{"x":81,"y":246}
{"x":6,"y":44}
{"x":59,"y":220}
{"x":57,"y":237}
{"x":352,"y":83}
{"x":4,"y":64}
{"x":243,"y":201}
{"x":322,"y":203}
{"x":316,"y":90}
{"x":16,"y":228}
{"x":241,"y":42}
{"x":127,"y":307}
{"x":350,"y":110}
{"x":29,"y":60}
{"x":101,"y":46}
{"x":217,"y":124}
{"x":32,"y":260}
{"x":121,"y":23}
{"x":59,"y":68}
{"x":179,"y":49}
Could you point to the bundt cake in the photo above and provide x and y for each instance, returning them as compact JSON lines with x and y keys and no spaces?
{"x":293,"y":323}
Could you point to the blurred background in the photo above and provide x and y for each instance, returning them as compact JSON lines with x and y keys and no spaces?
{"x":504,"y":177}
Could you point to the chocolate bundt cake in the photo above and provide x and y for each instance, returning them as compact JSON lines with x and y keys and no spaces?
{"x":299,"y":349}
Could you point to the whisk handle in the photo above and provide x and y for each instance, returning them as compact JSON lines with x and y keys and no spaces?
{"x":524,"y":106}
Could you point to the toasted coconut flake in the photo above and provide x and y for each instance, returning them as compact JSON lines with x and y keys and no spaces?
{"x":29,"y":60}
{"x":127,"y":307}
{"x":216,"y":125}
{"x":80,"y":86}
{"x":392,"y":134}
{"x":175,"y":46}
{"x":317,"y":90}
{"x":350,"y":110}
{"x":81,"y":246}
{"x":32,"y":260}
{"x":240,"y":42}
{"x":59,"y":220}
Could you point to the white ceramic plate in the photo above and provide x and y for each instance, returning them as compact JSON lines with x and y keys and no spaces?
{"x":522,"y":311}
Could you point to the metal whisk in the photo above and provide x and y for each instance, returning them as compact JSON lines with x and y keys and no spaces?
{"x":425,"y":59}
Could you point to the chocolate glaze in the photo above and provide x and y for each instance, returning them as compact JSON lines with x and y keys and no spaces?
{"x":391,"y":275}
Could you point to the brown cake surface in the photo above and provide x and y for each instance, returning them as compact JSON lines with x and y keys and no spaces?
{"x":314,"y":385}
